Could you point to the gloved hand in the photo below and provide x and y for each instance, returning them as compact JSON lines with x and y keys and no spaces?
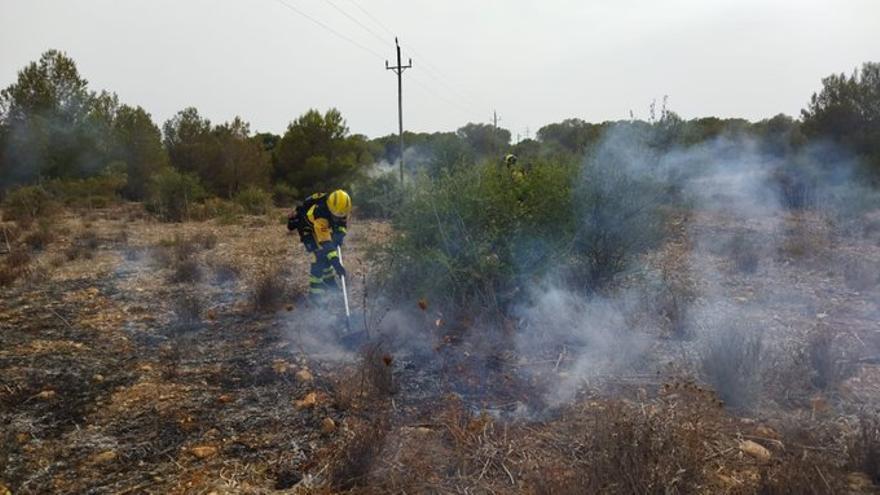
{"x":338,"y":237}
{"x":340,"y":270}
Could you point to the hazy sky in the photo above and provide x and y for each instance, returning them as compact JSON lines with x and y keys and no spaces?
{"x":535,"y":62}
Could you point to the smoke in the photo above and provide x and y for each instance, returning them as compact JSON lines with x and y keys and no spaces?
{"x":741,"y":201}
{"x":415,"y":159}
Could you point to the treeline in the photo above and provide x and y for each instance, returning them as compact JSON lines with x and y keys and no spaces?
{"x":53,"y":128}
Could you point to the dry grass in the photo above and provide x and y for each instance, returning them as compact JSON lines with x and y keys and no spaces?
{"x":731,"y":363}
{"x":185,"y":271}
{"x":14,"y":265}
{"x":865,"y":448}
{"x":268,"y":291}
{"x":829,"y":366}
{"x":743,"y":253}
{"x":188,"y":309}
{"x":84,"y":246}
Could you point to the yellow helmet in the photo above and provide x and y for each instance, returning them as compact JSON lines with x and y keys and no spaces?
{"x":339,"y":203}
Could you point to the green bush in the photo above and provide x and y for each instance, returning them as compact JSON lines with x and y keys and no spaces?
{"x":620,"y":214}
{"x":377,"y":197}
{"x":254,"y":200}
{"x":28,"y":203}
{"x":173,"y":194}
{"x":284,"y":194}
{"x":474,"y":237}
{"x":478,"y":238}
{"x":94,"y":192}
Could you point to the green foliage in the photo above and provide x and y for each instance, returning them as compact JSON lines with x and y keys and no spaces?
{"x":377,"y":197}
{"x":94,"y":192}
{"x":255,"y":201}
{"x":138,"y":146}
{"x":472,"y":238}
{"x":484,"y":139}
{"x":317,"y":153}
{"x":225,"y":158}
{"x":28,"y":203}
{"x":52,"y":126}
{"x":846,"y":111}
{"x":284,"y":194}
{"x":173,"y":195}
{"x":620,"y":215}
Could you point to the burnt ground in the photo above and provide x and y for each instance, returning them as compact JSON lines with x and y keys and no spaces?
{"x":151,"y":360}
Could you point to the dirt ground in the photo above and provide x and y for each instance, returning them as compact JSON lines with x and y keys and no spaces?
{"x":143,"y":357}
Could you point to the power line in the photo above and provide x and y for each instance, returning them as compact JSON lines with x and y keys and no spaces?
{"x":430,"y":69}
{"x":330,"y":29}
{"x":463,"y":108}
{"x":377,"y":21}
{"x":359,"y":23}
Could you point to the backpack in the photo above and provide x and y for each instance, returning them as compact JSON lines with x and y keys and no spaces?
{"x":298,"y":219}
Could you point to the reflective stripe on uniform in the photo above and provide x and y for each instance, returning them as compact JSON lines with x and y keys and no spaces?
{"x":332,"y":255}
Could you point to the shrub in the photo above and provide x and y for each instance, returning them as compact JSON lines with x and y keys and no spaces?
{"x":865,"y":448}
{"x":40,"y":238}
{"x":172,"y":195}
{"x":268,"y":289}
{"x":476,"y":238}
{"x":469,"y":238}
{"x":619,"y":214}
{"x":226,"y":212}
{"x":254,"y":200}
{"x":186,"y":271}
{"x":14,"y":266}
{"x":28,"y":203}
{"x":188,"y":310}
{"x":225,"y":272}
{"x":743,"y":253}
{"x":84,"y":245}
{"x":377,"y":197}
{"x":829,"y":365}
{"x":284,"y":194}
{"x":94,"y":192}
{"x":205,"y":240}
{"x":731,"y":363}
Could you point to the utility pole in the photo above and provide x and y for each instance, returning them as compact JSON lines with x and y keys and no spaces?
{"x":495,"y":132}
{"x":398,"y":69}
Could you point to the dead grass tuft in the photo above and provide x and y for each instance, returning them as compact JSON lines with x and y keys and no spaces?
{"x":225,"y":272}
{"x":731,"y":363}
{"x":83,"y":246}
{"x":358,"y":455}
{"x":186,"y":271}
{"x":268,"y":291}
{"x":865,"y":449}
{"x":205,"y":240}
{"x":188,"y":309}
{"x":829,"y":366}
{"x":743,"y":253}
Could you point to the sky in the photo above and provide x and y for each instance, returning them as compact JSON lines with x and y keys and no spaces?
{"x":532,"y":62}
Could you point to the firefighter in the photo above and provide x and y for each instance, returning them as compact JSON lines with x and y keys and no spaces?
{"x":321,"y":222}
{"x":517,"y":172}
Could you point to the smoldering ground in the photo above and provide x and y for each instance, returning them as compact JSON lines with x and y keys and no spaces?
{"x":752,"y":221}
{"x":734,"y":244}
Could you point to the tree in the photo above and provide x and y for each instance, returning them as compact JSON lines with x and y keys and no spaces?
{"x":187,"y":139}
{"x":484,"y":139}
{"x":573,"y":135}
{"x":242,"y":163}
{"x":138,"y":145}
{"x":45,"y":116}
{"x":317,"y":152}
{"x":847,"y":111}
